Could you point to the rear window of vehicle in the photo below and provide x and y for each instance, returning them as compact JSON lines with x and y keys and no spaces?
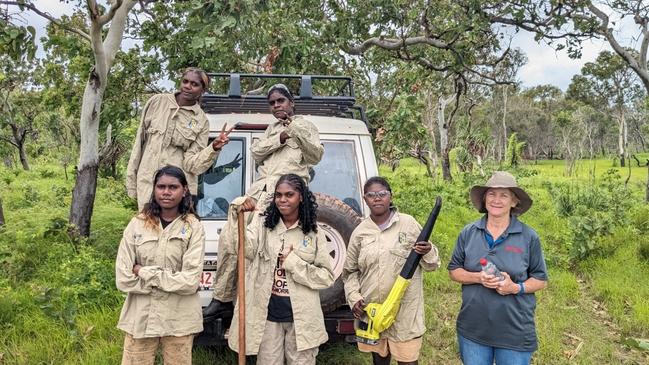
{"x":222,"y":182}
{"x":337,"y":174}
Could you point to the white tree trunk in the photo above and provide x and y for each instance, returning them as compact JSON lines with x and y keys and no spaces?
{"x":443,"y":126}
{"x":621,"y":138}
{"x":104,"y":51}
{"x":646,"y":196}
{"x":428,"y":117}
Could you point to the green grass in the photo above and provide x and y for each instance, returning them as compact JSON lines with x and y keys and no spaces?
{"x":58,"y":303}
{"x":627,"y":303}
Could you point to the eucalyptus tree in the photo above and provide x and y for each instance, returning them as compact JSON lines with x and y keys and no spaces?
{"x":104,"y":31}
{"x":452,"y":40}
{"x":19,"y":106}
{"x":567,"y":23}
{"x":62,"y":75}
{"x":242,"y":36}
{"x":531,"y":117}
{"x":16,"y":40}
{"x":609,"y":83}
{"x":639,"y":123}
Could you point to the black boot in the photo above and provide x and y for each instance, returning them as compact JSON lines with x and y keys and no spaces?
{"x":219,"y":309}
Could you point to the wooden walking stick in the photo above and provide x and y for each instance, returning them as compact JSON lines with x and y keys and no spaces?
{"x":241,"y":289}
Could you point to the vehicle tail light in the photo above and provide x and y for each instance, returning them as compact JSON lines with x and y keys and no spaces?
{"x":345,"y":326}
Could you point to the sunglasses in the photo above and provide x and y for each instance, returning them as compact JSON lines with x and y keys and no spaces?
{"x":377,"y":194}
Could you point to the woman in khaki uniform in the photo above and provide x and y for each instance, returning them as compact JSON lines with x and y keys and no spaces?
{"x":377,"y":251}
{"x":159,"y":264}
{"x":291,"y":145}
{"x":174,"y":130}
{"x":287,"y":263}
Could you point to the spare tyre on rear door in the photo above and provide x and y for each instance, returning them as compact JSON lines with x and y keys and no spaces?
{"x":337,"y":220}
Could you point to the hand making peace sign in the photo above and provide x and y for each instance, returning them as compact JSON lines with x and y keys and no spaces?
{"x":223,"y":138}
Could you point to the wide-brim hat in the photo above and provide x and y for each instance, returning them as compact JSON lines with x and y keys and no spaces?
{"x":501,"y":179}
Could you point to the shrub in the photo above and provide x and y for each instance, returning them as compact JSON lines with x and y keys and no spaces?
{"x":62,"y":195}
{"x":8,"y":306}
{"x":86,"y":280}
{"x":593,"y":211}
{"x":7,"y":178}
{"x":639,"y":218}
{"x":462,"y":158}
{"x":113,"y":191}
{"x":46,"y":173}
{"x":643,"y":250}
{"x":514,"y":152}
{"x":30,"y":195}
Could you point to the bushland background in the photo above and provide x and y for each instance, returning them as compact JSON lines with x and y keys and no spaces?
{"x":445,"y":105}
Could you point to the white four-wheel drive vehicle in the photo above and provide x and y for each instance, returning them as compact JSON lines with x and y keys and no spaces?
{"x":329,"y":103}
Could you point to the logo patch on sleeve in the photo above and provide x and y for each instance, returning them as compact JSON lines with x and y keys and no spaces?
{"x":186,"y":230}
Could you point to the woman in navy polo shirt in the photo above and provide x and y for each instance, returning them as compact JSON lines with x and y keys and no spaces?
{"x":496,"y":321}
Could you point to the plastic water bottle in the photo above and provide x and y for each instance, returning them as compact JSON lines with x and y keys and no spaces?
{"x":489,"y":268}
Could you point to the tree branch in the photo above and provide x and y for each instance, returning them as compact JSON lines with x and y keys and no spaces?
{"x":535,"y":27}
{"x":8,"y":140}
{"x":143,"y":7}
{"x":640,"y":69}
{"x":393,"y":44}
{"x":49,"y":17}
{"x":460,"y":88}
{"x":104,"y":19}
{"x":93,"y":10}
{"x":429,"y":65}
{"x":644,"y":45}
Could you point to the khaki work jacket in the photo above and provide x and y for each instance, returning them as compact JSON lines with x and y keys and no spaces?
{"x":163,"y":299}
{"x":168,"y":135}
{"x":375,"y":259}
{"x":297,"y":155}
{"x":308,"y":270}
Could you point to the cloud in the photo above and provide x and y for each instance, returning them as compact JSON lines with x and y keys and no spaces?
{"x":547,"y":66}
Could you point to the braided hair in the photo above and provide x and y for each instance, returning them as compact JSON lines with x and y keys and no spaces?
{"x":307,"y":211}
{"x":152,"y":209}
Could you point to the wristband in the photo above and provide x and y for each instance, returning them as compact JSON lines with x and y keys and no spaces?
{"x":522,"y":288}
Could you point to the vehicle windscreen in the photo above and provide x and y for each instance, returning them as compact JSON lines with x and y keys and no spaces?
{"x":222,"y":182}
{"x":337,"y":173}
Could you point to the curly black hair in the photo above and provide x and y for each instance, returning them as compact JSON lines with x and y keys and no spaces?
{"x":152,"y":209}
{"x":307,"y":210}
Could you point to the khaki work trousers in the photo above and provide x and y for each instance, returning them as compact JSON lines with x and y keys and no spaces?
{"x":141,"y":351}
{"x":225,"y":282}
{"x":279,"y":345}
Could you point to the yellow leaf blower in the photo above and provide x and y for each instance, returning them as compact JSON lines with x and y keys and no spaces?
{"x":381,"y":316}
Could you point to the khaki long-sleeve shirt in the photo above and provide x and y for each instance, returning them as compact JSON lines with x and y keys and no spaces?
{"x":296,"y":155}
{"x":308,"y":270}
{"x":162,"y":300}
{"x":168,"y":135}
{"x":375,"y":259}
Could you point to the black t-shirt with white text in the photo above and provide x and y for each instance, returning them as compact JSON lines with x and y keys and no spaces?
{"x":279,"y":306}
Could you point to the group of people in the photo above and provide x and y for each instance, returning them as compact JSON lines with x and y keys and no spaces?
{"x":160,"y":257}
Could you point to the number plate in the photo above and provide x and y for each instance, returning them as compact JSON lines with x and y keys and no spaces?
{"x":207,"y":280}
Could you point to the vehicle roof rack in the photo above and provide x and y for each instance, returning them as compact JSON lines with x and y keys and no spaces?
{"x":331,"y":96}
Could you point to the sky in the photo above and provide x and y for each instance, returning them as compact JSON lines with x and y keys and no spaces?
{"x":547,"y":66}
{"x":544,"y":66}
